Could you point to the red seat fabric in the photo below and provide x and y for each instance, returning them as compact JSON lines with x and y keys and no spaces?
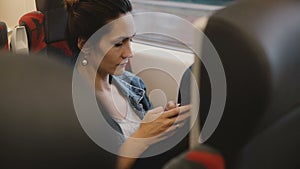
{"x":34,"y":23}
{"x":3,"y":36}
{"x":45,"y":29}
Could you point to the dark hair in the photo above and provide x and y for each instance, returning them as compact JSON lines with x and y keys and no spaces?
{"x":85,"y":17}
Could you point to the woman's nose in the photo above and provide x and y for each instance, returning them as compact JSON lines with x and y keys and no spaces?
{"x":127,"y":50}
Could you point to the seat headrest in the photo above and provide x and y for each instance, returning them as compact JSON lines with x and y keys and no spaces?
{"x":47,"y":5}
{"x":55,"y":25}
{"x":55,"y":19}
{"x":38,"y":124}
{"x":258,"y":44}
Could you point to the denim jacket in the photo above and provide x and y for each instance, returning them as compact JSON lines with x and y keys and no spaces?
{"x":134,"y":89}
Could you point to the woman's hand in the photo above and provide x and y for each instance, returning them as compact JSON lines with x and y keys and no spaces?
{"x":170,"y":105}
{"x":158,"y":124}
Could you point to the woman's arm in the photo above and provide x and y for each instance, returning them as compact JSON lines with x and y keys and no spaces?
{"x":129,"y":151}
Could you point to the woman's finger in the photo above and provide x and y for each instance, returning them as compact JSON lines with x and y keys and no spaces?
{"x":182,"y":117}
{"x":156,"y":110}
{"x":172,"y":129}
{"x":175,"y":111}
{"x":170,"y":105}
{"x":153,"y":114}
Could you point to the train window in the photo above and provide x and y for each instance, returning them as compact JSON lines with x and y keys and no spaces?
{"x":190,"y":10}
{"x":187,"y":9}
{"x":207,"y":2}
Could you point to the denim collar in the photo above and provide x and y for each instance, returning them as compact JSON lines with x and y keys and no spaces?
{"x":133,"y":93}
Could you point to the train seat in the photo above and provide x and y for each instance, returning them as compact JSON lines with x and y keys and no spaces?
{"x":46,"y":29}
{"x":38,"y":126}
{"x":258,"y":44}
{"x":3,"y":36}
{"x":161,"y":69}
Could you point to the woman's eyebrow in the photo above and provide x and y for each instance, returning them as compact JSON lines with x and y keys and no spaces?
{"x":122,"y":38}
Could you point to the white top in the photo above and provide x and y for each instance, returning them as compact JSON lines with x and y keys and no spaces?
{"x":130,"y":123}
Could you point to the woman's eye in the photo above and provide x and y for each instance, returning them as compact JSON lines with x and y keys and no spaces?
{"x":119,"y":44}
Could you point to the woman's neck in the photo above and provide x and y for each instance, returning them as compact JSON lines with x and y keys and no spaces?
{"x":102,"y":82}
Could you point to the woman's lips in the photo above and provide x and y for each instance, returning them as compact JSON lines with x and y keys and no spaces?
{"x":123,"y":63}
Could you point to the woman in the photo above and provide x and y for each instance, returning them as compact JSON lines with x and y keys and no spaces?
{"x":121,"y":93}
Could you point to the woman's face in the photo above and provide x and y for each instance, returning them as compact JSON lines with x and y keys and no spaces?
{"x":119,"y":37}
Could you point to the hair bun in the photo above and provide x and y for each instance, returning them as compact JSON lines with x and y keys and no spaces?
{"x":71,"y":4}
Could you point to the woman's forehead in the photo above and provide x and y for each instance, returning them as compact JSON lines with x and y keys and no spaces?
{"x":122,"y":27}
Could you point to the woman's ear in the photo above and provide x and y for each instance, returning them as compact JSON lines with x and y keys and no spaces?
{"x":80,"y":43}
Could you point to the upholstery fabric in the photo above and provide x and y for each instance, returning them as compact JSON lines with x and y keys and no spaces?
{"x":3,"y":36}
{"x":258,"y":44}
{"x":46,"y":29}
